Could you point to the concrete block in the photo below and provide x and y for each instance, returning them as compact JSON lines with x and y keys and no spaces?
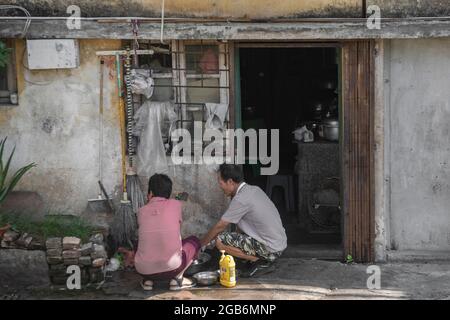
{"x":87,"y":248}
{"x":71,"y":254}
{"x":70,"y":243}
{"x":70,"y":261}
{"x":55,"y":253}
{"x":22,"y":268}
{"x":53,"y":243}
{"x":85,"y":261}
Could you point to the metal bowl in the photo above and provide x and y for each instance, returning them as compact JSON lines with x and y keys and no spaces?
{"x":206,"y":278}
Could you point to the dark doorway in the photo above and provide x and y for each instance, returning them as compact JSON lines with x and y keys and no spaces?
{"x":289,"y":88}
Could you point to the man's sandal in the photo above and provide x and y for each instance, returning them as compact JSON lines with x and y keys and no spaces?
{"x":181,"y":283}
{"x":147,"y":285}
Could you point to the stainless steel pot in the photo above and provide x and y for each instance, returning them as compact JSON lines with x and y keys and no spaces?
{"x":330,"y":129}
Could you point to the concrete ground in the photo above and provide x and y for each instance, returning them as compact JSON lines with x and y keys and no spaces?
{"x":297,"y":279}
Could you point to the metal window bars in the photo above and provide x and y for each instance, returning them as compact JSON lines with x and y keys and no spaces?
{"x":189,"y":63}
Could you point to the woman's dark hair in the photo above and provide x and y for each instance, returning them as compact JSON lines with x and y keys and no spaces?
{"x":160,"y":185}
{"x":231,"y":171}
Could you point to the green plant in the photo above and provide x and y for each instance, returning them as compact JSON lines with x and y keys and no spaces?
{"x":51,"y":226}
{"x":349,"y":258}
{"x":7,"y":187}
{"x":4,"y":54}
{"x":119,"y":256}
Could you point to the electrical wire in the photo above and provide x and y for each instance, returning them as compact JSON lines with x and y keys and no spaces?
{"x":162,"y":22}
{"x":27,"y":23}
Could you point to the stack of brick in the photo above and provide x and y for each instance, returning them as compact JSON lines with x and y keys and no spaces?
{"x":90,"y":257}
{"x":12,"y":239}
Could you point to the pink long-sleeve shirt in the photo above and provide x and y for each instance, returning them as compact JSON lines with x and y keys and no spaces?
{"x":159,"y":246}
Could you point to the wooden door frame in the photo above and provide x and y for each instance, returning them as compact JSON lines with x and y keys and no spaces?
{"x":358,"y":63}
{"x":357,"y":135}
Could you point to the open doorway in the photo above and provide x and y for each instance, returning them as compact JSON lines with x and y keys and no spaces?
{"x":288,"y":88}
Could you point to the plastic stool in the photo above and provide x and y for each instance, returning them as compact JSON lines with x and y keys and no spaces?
{"x":287,"y":183}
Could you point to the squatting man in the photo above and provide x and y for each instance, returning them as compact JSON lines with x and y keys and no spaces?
{"x":260,"y":237}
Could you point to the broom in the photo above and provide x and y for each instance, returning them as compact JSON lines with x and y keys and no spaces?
{"x":124,"y":226}
{"x":135,"y":193}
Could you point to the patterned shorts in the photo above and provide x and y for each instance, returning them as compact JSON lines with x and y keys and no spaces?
{"x":248,"y":245}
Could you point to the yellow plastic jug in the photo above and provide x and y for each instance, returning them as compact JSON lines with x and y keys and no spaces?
{"x":227,"y":270}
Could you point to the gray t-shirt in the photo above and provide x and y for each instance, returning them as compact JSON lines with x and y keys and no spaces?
{"x":256,"y":215}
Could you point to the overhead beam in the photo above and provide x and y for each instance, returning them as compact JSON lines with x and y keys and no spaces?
{"x":92,"y":29}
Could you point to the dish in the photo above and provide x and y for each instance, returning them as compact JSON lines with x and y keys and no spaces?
{"x":206,"y":278}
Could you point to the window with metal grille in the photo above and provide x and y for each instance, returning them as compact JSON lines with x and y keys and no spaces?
{"x":191,"y":74}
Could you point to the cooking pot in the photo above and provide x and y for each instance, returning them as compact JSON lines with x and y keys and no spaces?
{"x":330,"y":129}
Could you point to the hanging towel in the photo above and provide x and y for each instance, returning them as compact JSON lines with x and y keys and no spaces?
{"x":149,"y":125}
{"x":215,"y":114}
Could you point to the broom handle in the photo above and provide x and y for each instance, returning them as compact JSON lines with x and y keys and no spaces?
{"x":123,"y":146}
{"x":122,"y":127}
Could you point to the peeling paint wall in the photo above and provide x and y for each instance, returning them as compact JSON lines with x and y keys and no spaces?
{"x":198,"y":8}
{"x":253,"y":9}
{"x":419,"y":144}
{"x":56,"y":125}
{"x":412,"y":8}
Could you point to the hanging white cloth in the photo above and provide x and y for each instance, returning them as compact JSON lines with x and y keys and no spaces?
{"x":216,"y":113}
{"x":150,"y":126}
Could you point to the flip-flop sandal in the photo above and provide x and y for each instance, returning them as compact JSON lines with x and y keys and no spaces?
{"x":146,"y":287}
{"x":181,"y":286}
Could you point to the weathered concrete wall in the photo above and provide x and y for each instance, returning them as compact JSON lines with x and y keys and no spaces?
{"x":252,"y":9}
{"x":23,"y":268}
{"x":412,"y":8}
{"x":56,"y":125}
{"x":381,"y":220}
{"x":418,"y":141}
{"x":206,"y":202}
{"x":255,"y":9}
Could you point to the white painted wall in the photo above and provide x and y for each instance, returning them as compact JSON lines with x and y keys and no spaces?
{"x":418,"y":143}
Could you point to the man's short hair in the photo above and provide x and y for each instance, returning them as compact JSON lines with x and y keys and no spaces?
{"x":231,"y":171}
{"x":160,"y":185}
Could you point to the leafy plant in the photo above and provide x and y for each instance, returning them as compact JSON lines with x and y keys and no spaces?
{"x":349,"y":258}
{"x":7,"y":187}
{"x":4,"y":54}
